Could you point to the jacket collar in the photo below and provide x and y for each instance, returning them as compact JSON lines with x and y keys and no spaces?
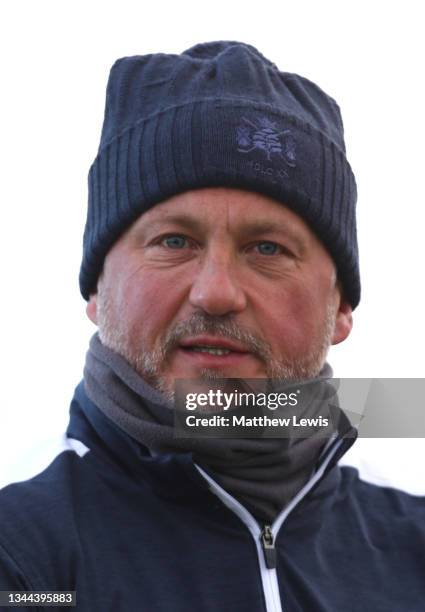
{"x":171,"y":475}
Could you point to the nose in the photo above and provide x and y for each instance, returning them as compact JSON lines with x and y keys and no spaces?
{"x":216,"y":290}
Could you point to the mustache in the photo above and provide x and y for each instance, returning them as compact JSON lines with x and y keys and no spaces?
{"x":223,"y":326}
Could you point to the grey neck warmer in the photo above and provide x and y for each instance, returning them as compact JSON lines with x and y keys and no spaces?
{"x":263,"y":474}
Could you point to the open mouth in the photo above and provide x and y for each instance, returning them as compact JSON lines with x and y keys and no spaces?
{"x":213,"y":350}
{"x":213,"y":345}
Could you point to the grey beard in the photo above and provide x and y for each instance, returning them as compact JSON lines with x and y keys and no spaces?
{"x":149,"y":364}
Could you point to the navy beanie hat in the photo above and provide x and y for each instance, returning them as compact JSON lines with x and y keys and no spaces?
{"x":219,"y":115}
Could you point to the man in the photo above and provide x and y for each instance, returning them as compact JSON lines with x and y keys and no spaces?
{"x":220,"y":243}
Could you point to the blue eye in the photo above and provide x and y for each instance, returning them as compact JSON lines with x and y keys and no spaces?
{"x":268,"y":248}
{"x":175,"y":242}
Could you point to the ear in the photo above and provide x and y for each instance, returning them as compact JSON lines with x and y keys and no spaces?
{"x":91,"y":308}
{"x":343,"y":321}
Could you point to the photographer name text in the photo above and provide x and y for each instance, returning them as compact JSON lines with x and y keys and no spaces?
{"x":256,"y":421}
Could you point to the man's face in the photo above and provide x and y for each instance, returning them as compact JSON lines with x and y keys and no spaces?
{"x":219,"y":283}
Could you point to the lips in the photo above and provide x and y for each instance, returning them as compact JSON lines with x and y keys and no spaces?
{"x":213,"y":345}
{"x":230,"y":357}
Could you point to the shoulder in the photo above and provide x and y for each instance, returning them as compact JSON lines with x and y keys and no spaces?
{"x":42,"y":475}
{"x":37,"y":506}
{"x":39,"y":458}
{"x":389,"y":463}
{"x":381,"y":484}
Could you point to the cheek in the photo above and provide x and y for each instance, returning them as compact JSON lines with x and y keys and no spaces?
{"x":290,"y":317}
{"x":148,"y":305}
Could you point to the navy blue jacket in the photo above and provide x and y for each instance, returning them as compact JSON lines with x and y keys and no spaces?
{"x":130,"y":532}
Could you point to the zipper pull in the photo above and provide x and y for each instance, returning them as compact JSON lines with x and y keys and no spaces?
{"x":269,"y":550}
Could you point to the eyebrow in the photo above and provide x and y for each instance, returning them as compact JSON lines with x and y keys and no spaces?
{"x":248,"y":229}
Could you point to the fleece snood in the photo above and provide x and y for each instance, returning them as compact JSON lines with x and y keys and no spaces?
{"x":263,"y":474}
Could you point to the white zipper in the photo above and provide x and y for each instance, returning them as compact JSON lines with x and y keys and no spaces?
{"x":268,"y":574}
